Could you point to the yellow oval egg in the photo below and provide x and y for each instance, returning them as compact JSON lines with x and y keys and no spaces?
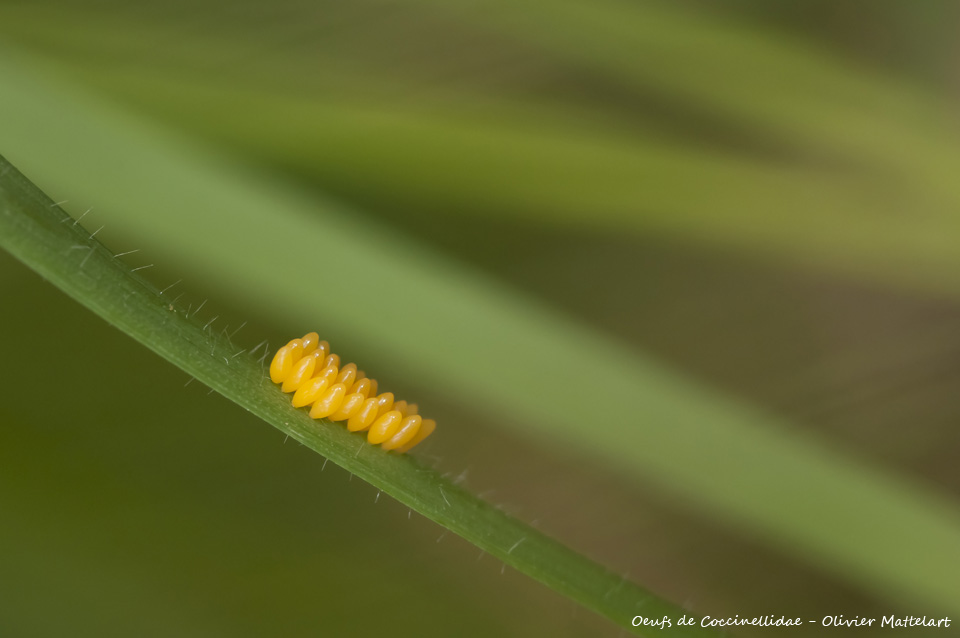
{"x":385,"y":402}
{"x":351,"y":403}
{"x":310,"y":342}
{"x":364,"y":417}
{"x":427,"y":426}
{"x":362,"y":386}
{"x":329,"y":402}
{"x":348,"y":374}
{"x":309,"y":392}
{"x":384,"y":427}
{"x":404,"y":434}
{"x":284,"y":360}
{"x":301,"y":372}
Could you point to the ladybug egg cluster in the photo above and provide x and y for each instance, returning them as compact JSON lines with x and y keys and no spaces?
{"x":307,"y":368}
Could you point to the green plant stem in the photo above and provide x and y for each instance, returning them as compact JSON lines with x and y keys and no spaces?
{"x":35,"y":230}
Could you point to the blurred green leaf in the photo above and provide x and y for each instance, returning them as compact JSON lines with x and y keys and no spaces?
{"x":360,"y":133}
{"x":457,"y":162}
{"x":792,"y":88}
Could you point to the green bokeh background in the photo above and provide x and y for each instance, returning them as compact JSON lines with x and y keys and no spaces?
{"x":758,"y":197}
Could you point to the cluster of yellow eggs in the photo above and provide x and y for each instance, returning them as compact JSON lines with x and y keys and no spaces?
{"x":307,"y":368}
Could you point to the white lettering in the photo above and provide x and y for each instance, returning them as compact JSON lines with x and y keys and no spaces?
{"x":640,"y":621}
